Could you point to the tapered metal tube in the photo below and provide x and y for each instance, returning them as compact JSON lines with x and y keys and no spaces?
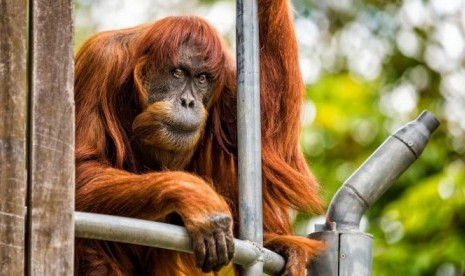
{"x":162,"y":235}
{"x":378,"y":173}
{"x":249,"y":133}
{"x":349,"y":251}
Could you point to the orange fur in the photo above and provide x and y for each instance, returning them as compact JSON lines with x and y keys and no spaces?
{"x":110,"y":112}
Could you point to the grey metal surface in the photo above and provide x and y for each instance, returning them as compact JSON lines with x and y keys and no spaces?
{"x":326,"y":263}
{"x":348,"y":253}
{"x":249,"y":133}
{"x":355,"y":254}
{"x":162,"y":235}
{"x":379,"y":171}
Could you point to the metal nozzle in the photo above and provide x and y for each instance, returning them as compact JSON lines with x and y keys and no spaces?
{"x":379,"y":171}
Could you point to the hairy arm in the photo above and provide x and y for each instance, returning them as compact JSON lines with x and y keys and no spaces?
{"x":281,"y":83}
{"x":287,"y":181}
{"x":154,"y":196}
{"x":282,"y":92}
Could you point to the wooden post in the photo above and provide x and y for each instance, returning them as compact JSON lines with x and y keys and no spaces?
{"x":51,"y":167}
{"x":12,"y":135}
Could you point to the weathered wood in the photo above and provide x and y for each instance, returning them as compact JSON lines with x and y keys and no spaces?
{"x":51,"y":169}
{"x":12,"y":135}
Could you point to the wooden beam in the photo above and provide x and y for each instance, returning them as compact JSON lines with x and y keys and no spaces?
{"x":51,"y":168}
{"x":13,"y":99}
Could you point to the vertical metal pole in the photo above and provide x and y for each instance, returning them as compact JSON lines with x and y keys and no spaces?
{"x":249,"y":133}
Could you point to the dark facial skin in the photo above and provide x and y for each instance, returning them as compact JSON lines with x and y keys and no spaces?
{"x":168,"y":130}
{"x":188,"y":85}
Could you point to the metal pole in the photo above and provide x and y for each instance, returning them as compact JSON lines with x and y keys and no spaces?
{"x":349,"y":251}
{"x":162,"y":235}
{"x":249,"y":133}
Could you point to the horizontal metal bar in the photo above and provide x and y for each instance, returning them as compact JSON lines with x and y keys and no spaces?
{"x":162,"y":235}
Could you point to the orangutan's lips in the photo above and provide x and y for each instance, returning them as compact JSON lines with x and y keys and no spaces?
{"x":182,"y":129}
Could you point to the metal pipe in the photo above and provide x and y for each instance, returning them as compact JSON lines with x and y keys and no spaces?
{"x":162,"y":235}
{"x":249,"y":132}
{"x":349,"y":251}
{"x":379,"y":171}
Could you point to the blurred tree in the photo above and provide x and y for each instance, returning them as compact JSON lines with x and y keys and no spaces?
{"x":371,"y":66}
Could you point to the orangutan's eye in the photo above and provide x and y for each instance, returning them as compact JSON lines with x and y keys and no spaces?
{"x":202,"y":78}
{"x":178,"y":73}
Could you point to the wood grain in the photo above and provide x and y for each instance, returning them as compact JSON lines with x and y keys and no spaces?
{"x":51,"y":168}
{"x":13,"y":99}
